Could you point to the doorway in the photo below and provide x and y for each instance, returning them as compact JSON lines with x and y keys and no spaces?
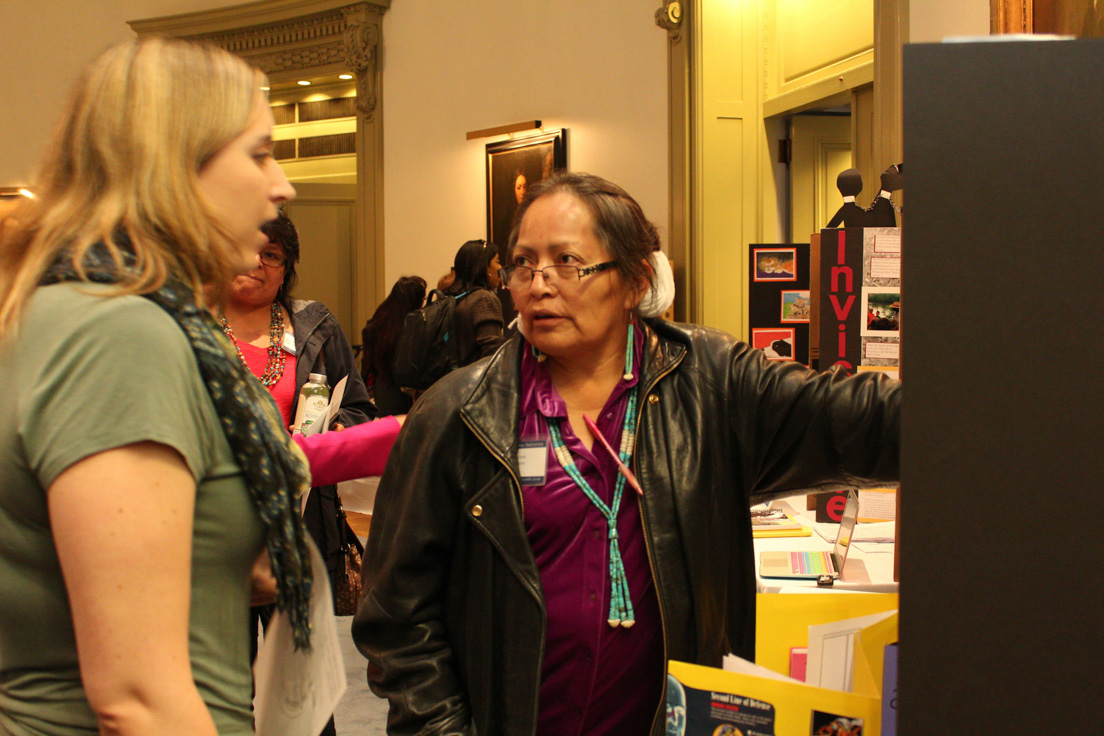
{"x":820,"y":145}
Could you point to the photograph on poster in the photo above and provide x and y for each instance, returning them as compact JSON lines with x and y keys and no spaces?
{"x":795,"y":306}
{"x":512,"y":167}
{"x":882,"y":307}
{"x":775,"y":264}
{"x":835,"y":725}
{"x":777,"y":344}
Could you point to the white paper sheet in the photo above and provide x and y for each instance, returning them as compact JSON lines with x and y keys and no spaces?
{"x":732,"y":663}
{"x":886,"y":350}
{"x":297,"y":691}
{"x":885,"y":268}
{"x":832,"y":650}
{"x":877,"y":506}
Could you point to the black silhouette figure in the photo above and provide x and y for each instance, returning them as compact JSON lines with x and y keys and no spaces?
{"x":849,"y":183}
{"x":881,"y":212}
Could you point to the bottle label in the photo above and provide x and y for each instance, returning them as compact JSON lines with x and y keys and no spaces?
{"x":313,"y":408}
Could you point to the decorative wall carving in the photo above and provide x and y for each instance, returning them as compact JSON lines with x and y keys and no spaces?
{"x":305,"y":30}
{"x":296,"y":59}
{"x":669,"y":17}
{"x":361,"y":56}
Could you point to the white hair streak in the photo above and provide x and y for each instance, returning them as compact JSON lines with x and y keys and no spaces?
{"x":662,"y":294}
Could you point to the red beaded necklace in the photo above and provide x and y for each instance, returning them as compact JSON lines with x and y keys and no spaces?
{"x":274,"y":368}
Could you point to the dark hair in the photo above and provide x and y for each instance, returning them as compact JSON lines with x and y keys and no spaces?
{"x":381,"y":332}
{"x":282,"y":232}
{"x":470,"y":265}
{"x":619,"y":222}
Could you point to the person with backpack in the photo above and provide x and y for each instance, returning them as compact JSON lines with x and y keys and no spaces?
{"x":458,"y":325}
{"x":478,"y":310}
{"x":379,"y":338}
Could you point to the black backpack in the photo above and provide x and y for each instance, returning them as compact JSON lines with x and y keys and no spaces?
{"x":428,"y":347}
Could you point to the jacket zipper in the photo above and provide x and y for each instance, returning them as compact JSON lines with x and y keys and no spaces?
{"x":648,"y":543}
{"x":521,"y":501}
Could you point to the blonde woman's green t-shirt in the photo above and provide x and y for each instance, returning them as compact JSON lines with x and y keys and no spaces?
{"x":86,"y":374}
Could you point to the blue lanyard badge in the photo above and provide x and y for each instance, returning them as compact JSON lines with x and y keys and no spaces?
{"x":533,"y":460}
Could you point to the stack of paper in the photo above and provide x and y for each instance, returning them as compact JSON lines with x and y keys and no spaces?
{"x":776,"y":523}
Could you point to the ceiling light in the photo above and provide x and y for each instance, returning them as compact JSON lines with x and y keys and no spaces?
{"x":304,"y":83}
{"x":344,"y":76}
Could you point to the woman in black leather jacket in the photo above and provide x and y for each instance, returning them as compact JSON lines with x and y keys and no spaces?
{"x":518,"y":581}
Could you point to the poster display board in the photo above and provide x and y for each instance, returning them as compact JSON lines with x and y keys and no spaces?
{"x":858,"y":298}
{"x":779,"y":303}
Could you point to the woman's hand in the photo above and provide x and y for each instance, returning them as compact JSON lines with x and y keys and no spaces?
{"x":122,"y":525}
{"x":262,"y":580}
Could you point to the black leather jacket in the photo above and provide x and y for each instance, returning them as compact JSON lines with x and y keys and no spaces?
{"x":453,"y":620}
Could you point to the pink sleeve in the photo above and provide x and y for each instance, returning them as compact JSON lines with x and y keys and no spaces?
{"x":356,"y":452}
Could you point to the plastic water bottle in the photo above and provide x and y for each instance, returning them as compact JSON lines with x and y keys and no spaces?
{"x":314,"y":398}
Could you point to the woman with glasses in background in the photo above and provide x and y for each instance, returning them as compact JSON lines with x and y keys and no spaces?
{"x":559,"y":521}
{"x":282,"y":341}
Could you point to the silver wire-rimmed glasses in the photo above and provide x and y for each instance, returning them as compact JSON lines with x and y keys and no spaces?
{"x":560,"y":274}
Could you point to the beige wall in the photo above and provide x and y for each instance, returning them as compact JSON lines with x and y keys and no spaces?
{"x":596,"y":67}
{"x":930,"y":21}
{"x":43,"y":46}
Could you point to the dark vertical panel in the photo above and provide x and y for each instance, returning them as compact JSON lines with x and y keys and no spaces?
{"x":337,"y":107}
{"x":283,"y":114}
{"x":1002,"y":498}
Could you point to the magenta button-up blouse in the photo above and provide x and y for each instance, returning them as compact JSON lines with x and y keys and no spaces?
{"x":595,"y":679}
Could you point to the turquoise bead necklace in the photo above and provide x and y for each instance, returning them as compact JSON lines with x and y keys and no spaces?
{"x":621,"y":608}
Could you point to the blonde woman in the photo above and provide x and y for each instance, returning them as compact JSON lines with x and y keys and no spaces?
{"x":146,"y":474}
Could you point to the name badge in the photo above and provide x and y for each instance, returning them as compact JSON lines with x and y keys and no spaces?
{"x":289,"y":342}
{"x":533,"y":461}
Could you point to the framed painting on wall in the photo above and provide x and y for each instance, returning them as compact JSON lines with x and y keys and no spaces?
{"x":512,"y":166}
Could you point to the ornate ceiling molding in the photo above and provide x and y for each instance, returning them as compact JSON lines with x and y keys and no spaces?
{"x":287,"y":38}
{"x":291,"y":35}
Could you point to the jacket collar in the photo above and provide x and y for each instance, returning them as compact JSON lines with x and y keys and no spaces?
{"x":307,"y":315}
{"x":497,"y":390}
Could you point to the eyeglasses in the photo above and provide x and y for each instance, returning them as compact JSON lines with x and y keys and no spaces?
{"x":561,"y":274}
{"x":272,"y":260}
